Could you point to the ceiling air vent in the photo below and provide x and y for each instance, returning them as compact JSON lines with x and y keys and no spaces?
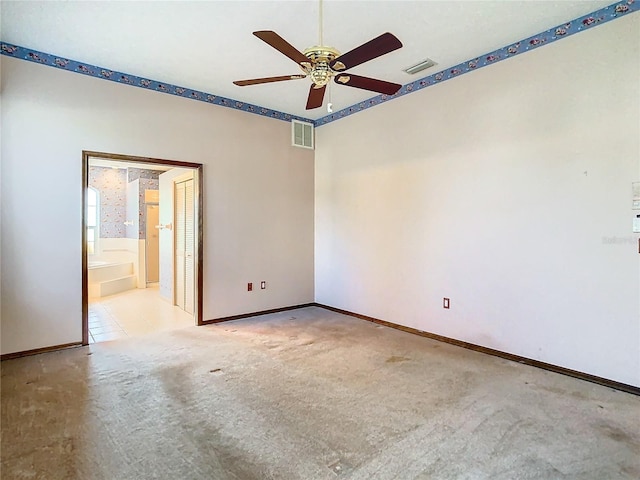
{"x":301,"y":134}
{"x":418,"y":67}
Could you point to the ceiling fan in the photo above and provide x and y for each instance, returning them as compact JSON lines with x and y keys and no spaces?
{"x":321,"y":63}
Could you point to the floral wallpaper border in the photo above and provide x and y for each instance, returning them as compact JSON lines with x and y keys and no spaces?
{"x":591,"y":20}
{"x":606,"y":14}
{"x":103,"y":73}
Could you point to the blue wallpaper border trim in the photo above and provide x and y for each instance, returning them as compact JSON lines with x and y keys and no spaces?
{"x":103,"y":73}
{"x":560,"y":32}
{"x":593,"y":19}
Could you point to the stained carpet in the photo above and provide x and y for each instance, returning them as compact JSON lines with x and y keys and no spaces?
{"x":305,"y":394}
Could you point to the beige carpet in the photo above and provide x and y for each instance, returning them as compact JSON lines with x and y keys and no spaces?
{"x":306,"y":394}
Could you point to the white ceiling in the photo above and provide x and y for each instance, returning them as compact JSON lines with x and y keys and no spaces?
{"x":205,"y":45}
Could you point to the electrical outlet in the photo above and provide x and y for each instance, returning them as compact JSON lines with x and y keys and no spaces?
{"x":249,"y":287}
{"x":445,"y":303}
{"x":263,"y":285}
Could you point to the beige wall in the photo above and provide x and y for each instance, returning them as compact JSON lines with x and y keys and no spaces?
{"x":258,"y":190}
{"x":502,"y":190}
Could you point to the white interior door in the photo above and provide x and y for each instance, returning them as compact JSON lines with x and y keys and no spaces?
{"x":167,"y":217}
{"x":184,"y":242}
{"x":189,"y":248}
{"x":179,"y":243}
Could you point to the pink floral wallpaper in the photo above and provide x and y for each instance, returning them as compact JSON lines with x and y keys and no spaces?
{"x":148,"y":181}
{"x":112,"y":185}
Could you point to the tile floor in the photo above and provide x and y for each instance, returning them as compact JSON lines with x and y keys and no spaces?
{"x":133,"y":313}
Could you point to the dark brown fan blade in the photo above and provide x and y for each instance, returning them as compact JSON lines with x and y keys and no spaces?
{"x":367,"y":83}
{"x":375,"y":48}
{"x":316,"y":96}
{"x":280,"y":44}
{"x":256,"y":81}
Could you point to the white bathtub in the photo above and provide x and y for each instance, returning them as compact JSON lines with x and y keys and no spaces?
{"x":97,"y":263}
{"x":106,"y":278}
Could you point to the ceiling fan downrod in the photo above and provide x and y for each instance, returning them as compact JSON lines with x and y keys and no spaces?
{"x":320,"y":20}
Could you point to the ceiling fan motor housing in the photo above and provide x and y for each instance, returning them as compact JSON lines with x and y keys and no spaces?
{"x":320,"y":56}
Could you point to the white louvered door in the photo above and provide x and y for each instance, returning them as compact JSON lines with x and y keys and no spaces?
{"x":184,"y":246}
{"x":189,"y":247}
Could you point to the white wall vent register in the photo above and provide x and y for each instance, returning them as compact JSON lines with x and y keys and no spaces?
{"x":301,"y":134}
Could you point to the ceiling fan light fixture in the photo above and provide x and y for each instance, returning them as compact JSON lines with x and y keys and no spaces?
{"x":320,"y":74}
{"x":418,"y":67}
{"x":320,"y":56}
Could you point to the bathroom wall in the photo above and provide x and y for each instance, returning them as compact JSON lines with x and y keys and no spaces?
{"x":132,"y":194}
{"x":111,"y":183}
{"x":122,"y":199}
{"x":148,"y":180}
{"x":133,"y":245}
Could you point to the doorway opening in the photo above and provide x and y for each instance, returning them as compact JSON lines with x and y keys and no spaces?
{"x":142,"y":245}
